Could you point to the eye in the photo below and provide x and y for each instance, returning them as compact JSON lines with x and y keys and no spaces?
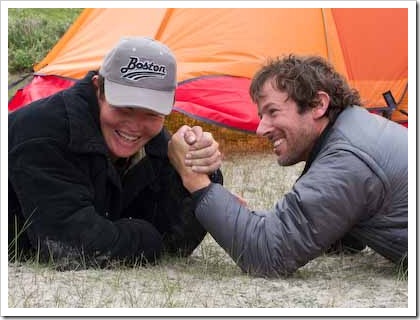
{"x":269,"y":112}
{"x":121,"y":109}
{"x":272,"y":112}
{"x":128,"y":109}
{"x":154,"y":115}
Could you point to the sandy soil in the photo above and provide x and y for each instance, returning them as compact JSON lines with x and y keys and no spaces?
{"x":210,"y":279}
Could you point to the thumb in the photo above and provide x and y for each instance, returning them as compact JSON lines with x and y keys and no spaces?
{"x":182,"y":130}
{"x":190,"y":137}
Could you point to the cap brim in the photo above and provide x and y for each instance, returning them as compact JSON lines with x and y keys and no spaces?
{"x":125,"y":96}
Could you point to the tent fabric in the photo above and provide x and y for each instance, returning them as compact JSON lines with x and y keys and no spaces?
{"x":40,"y":87}
{"x":223,"y":100}
{"x":219,"y":49}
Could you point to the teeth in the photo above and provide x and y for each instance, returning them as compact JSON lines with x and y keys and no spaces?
{"x":126,"y":136}
{"x":277,"y":142}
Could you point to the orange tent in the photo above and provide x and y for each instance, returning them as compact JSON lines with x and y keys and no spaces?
{"x":219,"y":49}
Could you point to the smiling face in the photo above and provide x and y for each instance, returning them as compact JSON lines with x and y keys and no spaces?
{"x":293,"y":135}
{"x":126,"y":130}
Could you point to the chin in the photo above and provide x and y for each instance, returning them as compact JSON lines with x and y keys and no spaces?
{"x":285,"y":162}
{"x":124,"y":153}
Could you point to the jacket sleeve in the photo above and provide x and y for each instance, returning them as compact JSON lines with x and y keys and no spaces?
{"x":56,"y":197}
{"x":338,"y":191}
{"x":181,"y":230}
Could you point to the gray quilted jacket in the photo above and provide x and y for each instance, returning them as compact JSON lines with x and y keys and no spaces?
{"x":356,"y":185}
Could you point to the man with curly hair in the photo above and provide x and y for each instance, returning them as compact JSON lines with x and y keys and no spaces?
{"x":353,"y":188}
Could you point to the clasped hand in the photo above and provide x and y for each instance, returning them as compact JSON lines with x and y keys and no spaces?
{"x":194,"y":148}
{"x":194,"y":154}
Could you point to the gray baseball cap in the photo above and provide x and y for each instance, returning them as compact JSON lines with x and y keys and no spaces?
{"x":140,"y":72}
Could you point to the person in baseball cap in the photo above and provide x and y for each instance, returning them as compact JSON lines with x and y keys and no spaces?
{"x":89,"y":176}
{"x":140,"y":72}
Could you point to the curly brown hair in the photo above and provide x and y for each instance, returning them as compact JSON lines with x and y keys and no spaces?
{"x":301,"y":77}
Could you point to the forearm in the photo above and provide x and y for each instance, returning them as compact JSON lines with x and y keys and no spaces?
{"x":130,"y":240}
{"x":186,"y":235}
{"x":56,"y":199}
{"x":81,"y":236}
{"x":194,"y":181}
{"x":242,"y":233}
{"x":258,"y":241}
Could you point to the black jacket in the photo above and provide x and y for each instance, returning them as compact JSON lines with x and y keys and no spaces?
{"x":68,"y":198}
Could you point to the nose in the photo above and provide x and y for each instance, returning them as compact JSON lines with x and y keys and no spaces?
{"x":263,"y":128}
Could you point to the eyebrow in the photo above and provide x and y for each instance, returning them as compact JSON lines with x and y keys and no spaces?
{"x":268,"y":105}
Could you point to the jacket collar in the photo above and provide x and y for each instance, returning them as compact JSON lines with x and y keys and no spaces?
{"x":317,"y":147}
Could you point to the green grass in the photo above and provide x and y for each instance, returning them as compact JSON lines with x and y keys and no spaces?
{"x":32,"y":34}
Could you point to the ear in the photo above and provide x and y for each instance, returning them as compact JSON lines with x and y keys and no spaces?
{"x":324,"y":101}
{"x":95,"y":81}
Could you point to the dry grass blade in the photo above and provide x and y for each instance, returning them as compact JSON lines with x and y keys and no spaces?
{"x":210,"y":279}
